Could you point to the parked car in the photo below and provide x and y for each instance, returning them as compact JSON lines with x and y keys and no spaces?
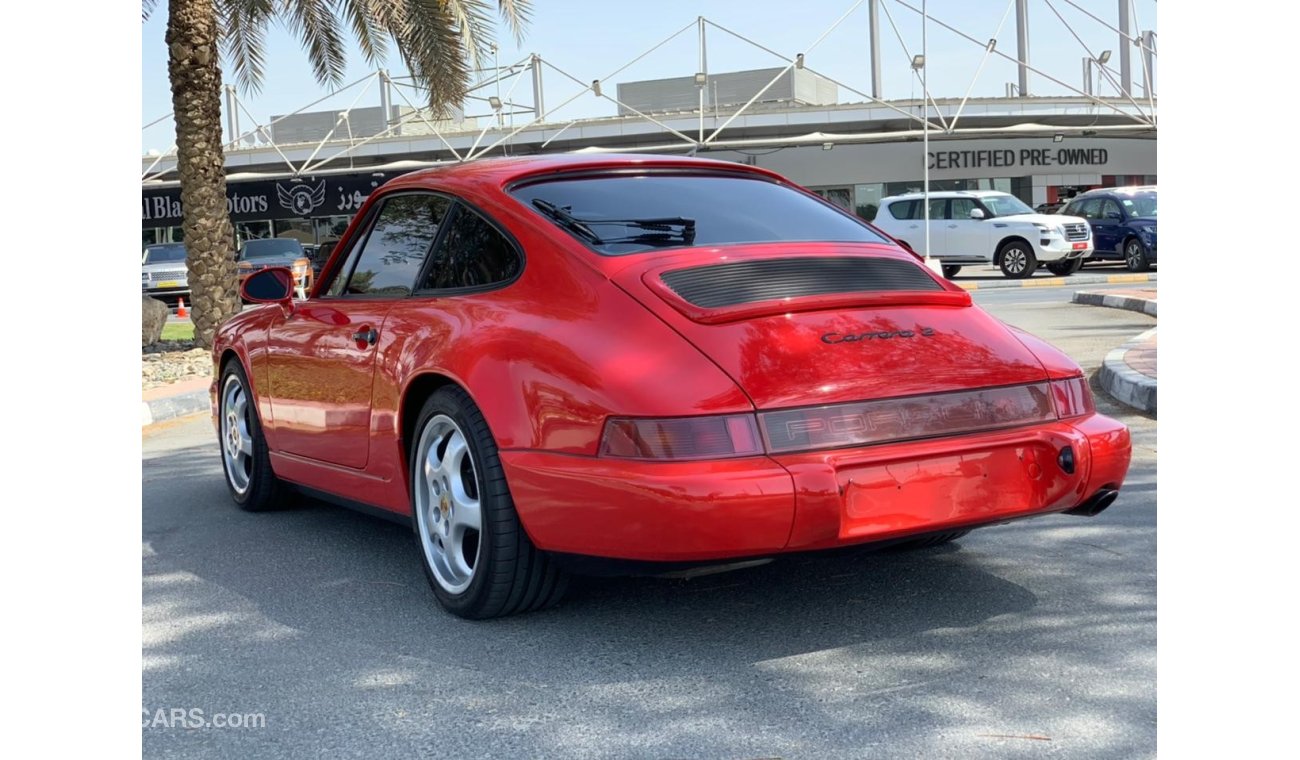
{"x":987,"y":227}
{"x":261,"y":253}
{"x":1123,"y":223}
{"x":163,"y":273}
{"x":547,"y":363}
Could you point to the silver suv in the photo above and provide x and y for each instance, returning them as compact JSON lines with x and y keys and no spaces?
{"x":163,"y":272}
{"x":987,"y":227}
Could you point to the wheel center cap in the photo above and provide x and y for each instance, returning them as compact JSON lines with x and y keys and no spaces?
{"x":444,"y":504}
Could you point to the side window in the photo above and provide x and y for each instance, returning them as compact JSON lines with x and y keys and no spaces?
{"x":961,"y":208}
{"x":904,"y":210}
{"x":1072,"y":209}
{"x":939,"y":209}
{"x":471,"y":254}
{"x":397,"y":245}
{"x":1110,"y":209}
{"x":1089,"y":209}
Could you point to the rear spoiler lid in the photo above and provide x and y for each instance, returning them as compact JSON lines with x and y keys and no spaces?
{"x":731,"y":291}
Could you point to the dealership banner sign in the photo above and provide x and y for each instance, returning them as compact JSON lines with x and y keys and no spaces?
{"x":1022,"y":157}
{"x":304,"y":197}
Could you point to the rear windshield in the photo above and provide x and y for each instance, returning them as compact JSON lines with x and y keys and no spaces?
{"x":271,"y":248}
{"x":171,"y":253}
{"x":617,"y":215}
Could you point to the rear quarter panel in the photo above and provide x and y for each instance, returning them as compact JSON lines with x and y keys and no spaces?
{"x":546,"y":358}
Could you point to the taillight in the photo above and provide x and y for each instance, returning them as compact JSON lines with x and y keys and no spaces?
{"x":734,"y":435}
{"x":902,"y":419}
{"x":1072,"y":398}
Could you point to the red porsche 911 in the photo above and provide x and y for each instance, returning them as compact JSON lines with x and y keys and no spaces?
{"x":542,"y":361}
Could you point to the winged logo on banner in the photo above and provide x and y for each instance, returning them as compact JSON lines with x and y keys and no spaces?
{"x":301,"y":199}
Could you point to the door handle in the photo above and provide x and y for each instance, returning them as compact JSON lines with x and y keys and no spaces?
{"x":368,"y":336}
{"x":952,"y":226}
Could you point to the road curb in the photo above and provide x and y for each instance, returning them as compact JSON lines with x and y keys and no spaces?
{"x":1094,"y":298}
{"x":1125,"y":384}
{"x":1060,"y":282}
{"x":171,"y":407}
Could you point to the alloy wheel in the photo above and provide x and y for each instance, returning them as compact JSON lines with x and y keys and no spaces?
{"x":1133,"y":255}
{"x":447,"y":509}
{"x":1014,"y":260}
{"x":236,"y":435}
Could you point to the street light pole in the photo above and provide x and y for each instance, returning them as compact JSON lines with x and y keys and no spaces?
{"x":925,"y":138}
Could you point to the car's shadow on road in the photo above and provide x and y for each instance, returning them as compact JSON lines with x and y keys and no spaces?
{"x":319,"y":605}
{"x":332,"y":571}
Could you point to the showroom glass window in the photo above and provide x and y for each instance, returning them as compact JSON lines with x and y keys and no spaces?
{"x":472,"y":254}
{"x":398,"y":243}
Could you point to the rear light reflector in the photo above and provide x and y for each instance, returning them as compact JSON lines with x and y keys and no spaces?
{"x":901,"y":419}
{"x":677,"y":438}
{"x":842,"y":425}
{"x":1072,"y":398}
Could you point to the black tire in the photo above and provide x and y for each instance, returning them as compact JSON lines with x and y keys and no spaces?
{"x":933,"y":540}
{"x":950,"y":270}
{"x":508,"y":575}
{"x":1135,"y":256}
{"x":252,"y":483}
{"x":1065,"y":268}
{"x":1016,"y":259}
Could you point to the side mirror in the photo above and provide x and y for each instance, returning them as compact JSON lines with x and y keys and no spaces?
{"x":273,"y":285}
{"x":977,"y":213}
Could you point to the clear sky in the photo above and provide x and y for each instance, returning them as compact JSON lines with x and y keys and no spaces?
{"x":589,"y":39}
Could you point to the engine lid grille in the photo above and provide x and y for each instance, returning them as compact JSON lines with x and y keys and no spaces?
{"x":744,"y":282}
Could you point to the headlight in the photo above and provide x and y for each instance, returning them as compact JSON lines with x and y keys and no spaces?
{"x":1149,"y":229}
{"x":1049,"y":230}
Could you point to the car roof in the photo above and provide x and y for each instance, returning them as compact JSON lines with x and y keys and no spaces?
{"x":1124,"y":190}
{"x":503,"y":171}
{"x":946,"y":194}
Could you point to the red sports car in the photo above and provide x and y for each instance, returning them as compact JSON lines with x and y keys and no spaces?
{"x":542,"y":361}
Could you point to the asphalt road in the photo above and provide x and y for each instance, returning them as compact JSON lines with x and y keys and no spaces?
{"x":1026,"y":640}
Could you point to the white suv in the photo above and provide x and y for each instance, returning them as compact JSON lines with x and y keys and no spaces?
{"x":985,"y":226}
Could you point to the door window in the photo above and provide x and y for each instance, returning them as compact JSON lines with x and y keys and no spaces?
{"x":961,"y":207}
{"x":399,"y":241}
{"x":1089,"y":209}
{"x":939,"y":209}
{"x":1110,"y":210}
{"x":471,"y":254}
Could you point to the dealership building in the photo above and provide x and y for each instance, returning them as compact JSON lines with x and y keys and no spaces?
{"x":305,"y":174}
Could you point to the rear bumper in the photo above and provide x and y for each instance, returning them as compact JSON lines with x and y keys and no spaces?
{"x":718,"y":510}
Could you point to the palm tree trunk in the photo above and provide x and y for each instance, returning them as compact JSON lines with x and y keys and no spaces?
{"x":195,"y":72}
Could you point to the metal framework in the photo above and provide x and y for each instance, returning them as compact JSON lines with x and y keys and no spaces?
{"x":1141,"y":114}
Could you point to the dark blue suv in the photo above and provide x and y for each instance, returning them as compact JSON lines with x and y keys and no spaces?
{"x":1123,"y":223}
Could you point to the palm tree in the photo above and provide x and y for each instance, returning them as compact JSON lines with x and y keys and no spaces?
{"x":440,"y":41}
